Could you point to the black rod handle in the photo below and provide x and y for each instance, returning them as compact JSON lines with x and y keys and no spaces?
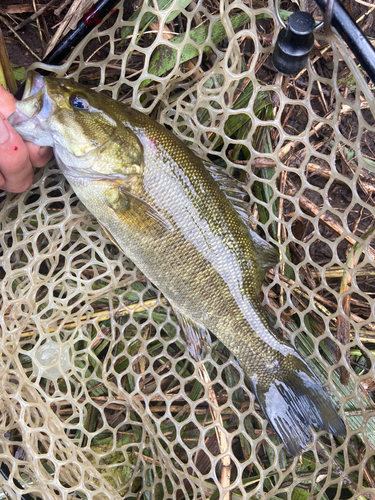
{"x":93,"y":17}
{"x":353,"y":36}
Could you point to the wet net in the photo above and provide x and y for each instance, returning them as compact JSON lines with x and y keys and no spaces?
{"x":99,"y":396}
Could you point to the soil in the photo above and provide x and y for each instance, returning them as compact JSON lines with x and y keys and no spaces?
{"x":19,"y":54}
{"x":36,"y":37}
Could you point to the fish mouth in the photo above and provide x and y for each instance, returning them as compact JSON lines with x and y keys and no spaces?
{"x":34,"y":82}
{"x":32,"y":100}
{"x":33,"y":96}
{"x":31,"y":113}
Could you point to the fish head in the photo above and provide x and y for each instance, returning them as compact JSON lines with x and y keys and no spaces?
{"x":80,"y":124}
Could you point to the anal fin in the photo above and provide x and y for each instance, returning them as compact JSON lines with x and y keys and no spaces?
{"x":197,"y":336}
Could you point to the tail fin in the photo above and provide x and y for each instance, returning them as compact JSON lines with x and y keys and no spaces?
{"x":294,"y":401}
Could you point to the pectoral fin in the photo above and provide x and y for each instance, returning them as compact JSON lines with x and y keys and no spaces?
{"x":135,"y":212}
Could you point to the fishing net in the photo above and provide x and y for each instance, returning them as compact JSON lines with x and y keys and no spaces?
{"x":99,"y":396}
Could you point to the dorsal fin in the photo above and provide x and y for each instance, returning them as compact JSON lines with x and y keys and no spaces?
{"x":267,"y":255}
{"x":233,"y":187}
{"x":235,"y":191}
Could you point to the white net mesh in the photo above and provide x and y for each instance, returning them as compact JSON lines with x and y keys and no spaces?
{"x":100,"y":398}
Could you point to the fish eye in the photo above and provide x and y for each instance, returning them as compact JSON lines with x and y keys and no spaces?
{"x":78,"y":102}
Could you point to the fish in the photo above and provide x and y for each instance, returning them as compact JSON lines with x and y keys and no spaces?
{"x":180,"y":219}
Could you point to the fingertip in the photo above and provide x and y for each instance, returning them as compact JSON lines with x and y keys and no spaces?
{"x":15,"y":165}
{"x":19,"y":185}
{"x":7,"y":102}
{"x":39,"y":155}
{"x":15,"y":187}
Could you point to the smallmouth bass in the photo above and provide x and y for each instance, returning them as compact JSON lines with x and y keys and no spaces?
{"x":164,"y":208}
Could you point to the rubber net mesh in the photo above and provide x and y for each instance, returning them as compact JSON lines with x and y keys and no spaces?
{"x":99,"y":396}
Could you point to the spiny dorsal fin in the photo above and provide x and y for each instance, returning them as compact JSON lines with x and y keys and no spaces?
{"x":235,"y":191}
{"x":232,"y":187}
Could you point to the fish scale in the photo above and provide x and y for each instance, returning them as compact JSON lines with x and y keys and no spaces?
{"x":164,"y":209}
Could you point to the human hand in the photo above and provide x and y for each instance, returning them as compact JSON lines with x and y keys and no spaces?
{"x":17,"y":157}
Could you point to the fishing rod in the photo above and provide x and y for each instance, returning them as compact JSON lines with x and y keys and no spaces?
{"x":352,"y":34}
{"x":292,"y":49}
{"x":92,"y":18}
{"x":296,"y":38}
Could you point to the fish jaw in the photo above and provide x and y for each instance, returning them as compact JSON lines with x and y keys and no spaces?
{"x":47,"y":117}
{"x":32,"y":111}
